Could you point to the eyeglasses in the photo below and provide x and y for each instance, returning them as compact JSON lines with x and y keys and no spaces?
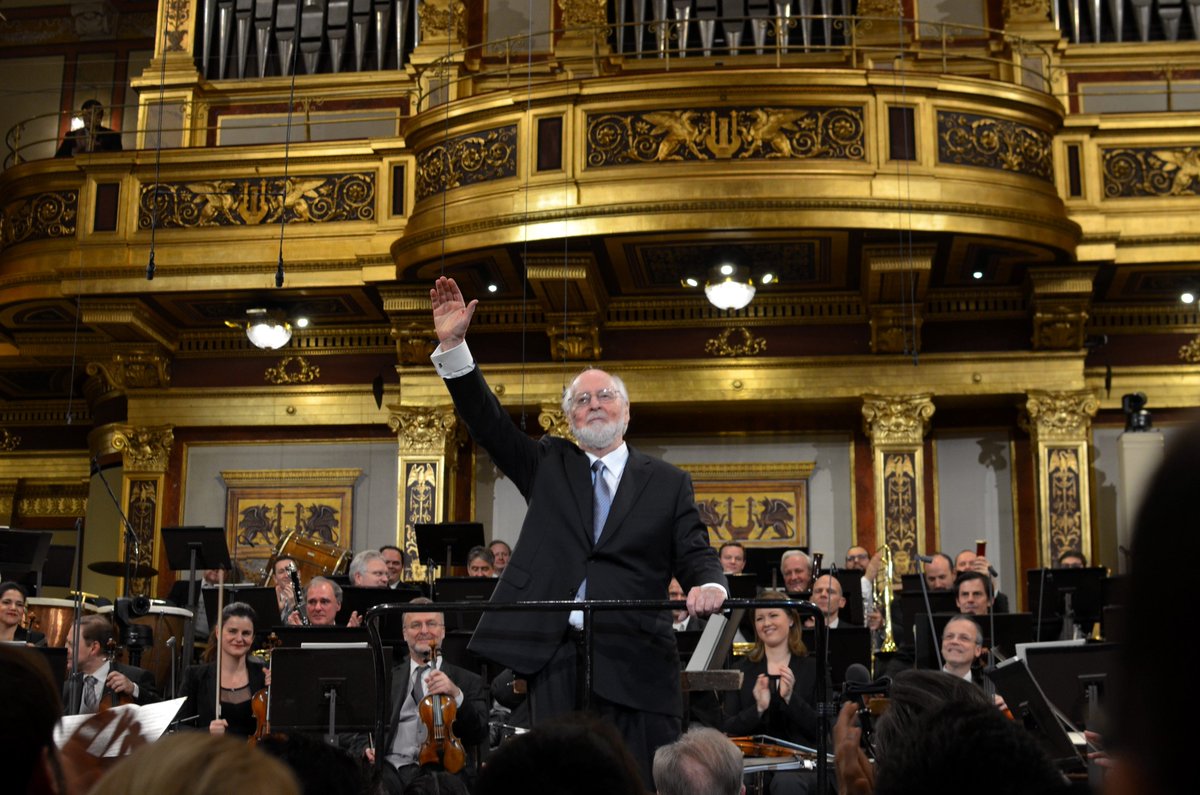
{"x":417,"y":626}
{"x":605,"y":396}
{"x":858,"y":556}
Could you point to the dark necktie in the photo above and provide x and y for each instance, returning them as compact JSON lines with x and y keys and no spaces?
{"x":91,"y":699}
{"x":418,"y":690}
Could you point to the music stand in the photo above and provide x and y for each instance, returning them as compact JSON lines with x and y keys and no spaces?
{"x":911,"y":604}
{"x":191,"y":548}
{"x":1066,"y":674}
{"x":447,"y":542}
{"x":56,"y":658}
{"x":463,"y":589}
{"x":1084,"y":586}
{"x":743,"y":586}
{"x":261,"y":600}
{"x":292,"y":637}
{"x":57,"y":571}
{"x":326,"y":690}
{"x":852,"y":611}
{"x":1029,"y":706}
{"x":391,"y":625}
{"x":23,"y":551}
{"x":847,"y":645}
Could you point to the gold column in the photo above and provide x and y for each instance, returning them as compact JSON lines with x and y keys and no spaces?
{"x":1059,"y":424}
{"x":553,"y":422}
{"x":896,"y":425}
{"x":586,"y":30}
{"x":427,"y":456}
{"x":437,"y":60}
{"x":8,"y":500}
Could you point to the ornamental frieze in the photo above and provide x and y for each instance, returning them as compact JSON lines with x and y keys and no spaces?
{"x":1058,"y":416}
{"x":746,"y":133}
{"x":242,"y":201}
{"x":967,"y":139}
{"x":41,"y":217}
{"x":897,"y":419}
{"x":467,"y":160}
{"x":583,"y":13}
{"x":424,"y":430}
{"x":176,"y":17}
{"x":1146,"y":171}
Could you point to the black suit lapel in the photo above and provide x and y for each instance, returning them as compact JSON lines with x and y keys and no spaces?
{"x":633,"y":481}
{"x":579,"y":477}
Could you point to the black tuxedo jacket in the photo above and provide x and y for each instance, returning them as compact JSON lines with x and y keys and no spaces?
{"x":653,"y":532}
{"x":147,"y":688}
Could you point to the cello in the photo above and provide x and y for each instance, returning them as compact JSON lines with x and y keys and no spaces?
{"x":437,"y":713}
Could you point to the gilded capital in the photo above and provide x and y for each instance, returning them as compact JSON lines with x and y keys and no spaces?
{"x":583,"y":13}
{"x":1059,"y":416}
{"x":574,"y":341}
{"x":443,"y":19}
{"x":424,"y":430}
{"x":554,"y":422}
{"x":897,"y":419}
{"x":1026,"y":10}
{"x":415,"y":343}
{"x":8,"y":441}
{"x":145,"y":449}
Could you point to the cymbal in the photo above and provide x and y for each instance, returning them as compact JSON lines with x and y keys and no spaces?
{"x":118,"y":568}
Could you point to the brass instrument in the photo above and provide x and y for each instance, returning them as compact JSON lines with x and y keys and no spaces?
{"x":882,"y":593}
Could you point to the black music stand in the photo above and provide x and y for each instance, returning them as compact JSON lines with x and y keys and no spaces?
{"x":851,"y":582}
{"x":23,"y":551}
{"x":910,"y":604}
{"x":328,"y":690}
{"x":1048,"y":596}
{"x":261,"y":600}
{"x":57,"y":572}
{"x":847,"y":645}
{"x":447,"y":541}
{"x":292,"y":637}
{"x":56,"y":657}
{"x":763,"y":563}
{"x":1076,"y":679}
{"x":192,"y":548}
{"x":1029,"y":706}
{"x":391,"y":625}
{"x":463,"y":589}
{"x":742,"y":586}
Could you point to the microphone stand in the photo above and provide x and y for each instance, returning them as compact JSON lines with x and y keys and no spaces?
{"x":129,"y":532}
{"x":75,"y":680}
{"x":925,"y":560}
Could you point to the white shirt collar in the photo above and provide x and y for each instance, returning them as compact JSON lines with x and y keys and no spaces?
{"x":614,"y":462}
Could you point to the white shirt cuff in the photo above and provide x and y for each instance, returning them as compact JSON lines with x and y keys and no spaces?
{"x":716,"y":585}
{"x":453,"y":363}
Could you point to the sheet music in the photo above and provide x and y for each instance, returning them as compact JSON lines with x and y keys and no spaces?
{"x":151,"y":719}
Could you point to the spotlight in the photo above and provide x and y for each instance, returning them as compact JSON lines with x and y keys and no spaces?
{"x":1188,"y":297}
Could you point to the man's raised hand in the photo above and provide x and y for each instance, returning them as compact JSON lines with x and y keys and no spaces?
{"x":451,"y":314}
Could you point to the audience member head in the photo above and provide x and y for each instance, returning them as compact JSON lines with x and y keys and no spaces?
{"x":939,"y":574}
{"x":572,"y":755}
{"x":369,"y":570}
{"x":1151,"y":733}
{"x":733,"y":557}
{"x":973,"y":593}
{"x":701,"y":762}
{"x":395,"y":559}
{"x":857,"y":558}
{"x":323,"y":600}
{"x":320,"y":768}
{"x":198,"y":764}
{"x":962,"y":741}
{"x":911,"y":696}
{"x":1072,"y":559}
{"x":774,"y":626}
{"x":480,"y":562}
{"x":29,"y":709}
{"x":501,"y":552}
{"x":796,"y":569}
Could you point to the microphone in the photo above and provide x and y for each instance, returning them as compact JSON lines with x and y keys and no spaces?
{"x":925,"y":558}
{"x":992,"y":570}
{"x":857,"y":674}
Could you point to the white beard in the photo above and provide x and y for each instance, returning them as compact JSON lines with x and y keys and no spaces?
{"x":597,"y":436}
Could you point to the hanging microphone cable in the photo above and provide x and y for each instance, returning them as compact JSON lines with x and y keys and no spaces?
{"x":287,"y":149}
{"x":162,"y":87}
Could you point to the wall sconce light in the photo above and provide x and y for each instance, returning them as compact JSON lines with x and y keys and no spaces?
{"x":269,"y":329}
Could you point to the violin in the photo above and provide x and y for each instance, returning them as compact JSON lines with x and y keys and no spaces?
{"x":437,"y":713}
{"x":260,"y":702}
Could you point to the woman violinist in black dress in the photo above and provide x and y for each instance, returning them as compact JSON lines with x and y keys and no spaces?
{"x":241,"y":676}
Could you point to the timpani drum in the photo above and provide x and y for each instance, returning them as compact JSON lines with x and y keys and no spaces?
{"x":313,"y":558}
{"x":54,"y":617}
{"x":164,"y":622}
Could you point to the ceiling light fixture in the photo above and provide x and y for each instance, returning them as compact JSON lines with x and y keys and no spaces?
{"x":268,"y":329}
{"x":1188,"y":297}
{"x":729,"y":286}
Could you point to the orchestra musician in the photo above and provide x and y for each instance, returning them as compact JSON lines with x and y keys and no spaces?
{"x":241,"y":676}
{"x":322,"y":601}
{"x":285,"y":595}
{"x":776,"y":694}
{"x":604,"y":521}
{"x":94,"y":677}
{"x":413,"y":679}
{"x":12,"y":612}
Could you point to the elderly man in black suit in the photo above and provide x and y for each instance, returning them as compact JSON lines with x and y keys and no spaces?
{"x":604,"y":521}
{"x":94,"y":678}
